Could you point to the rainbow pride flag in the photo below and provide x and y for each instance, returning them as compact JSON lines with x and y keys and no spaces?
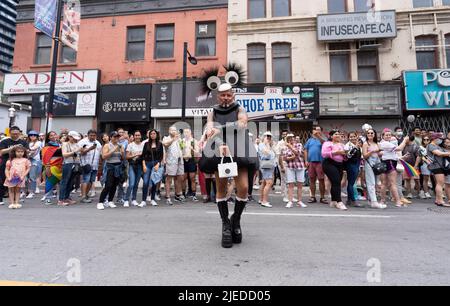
{"x":409,"y":169}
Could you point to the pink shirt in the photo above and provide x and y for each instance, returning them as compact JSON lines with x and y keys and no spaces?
{"x":328,"y":148}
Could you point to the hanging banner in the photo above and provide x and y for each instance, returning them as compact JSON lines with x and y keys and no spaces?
{"x":45,"y":16}
{"x":71,"y":24}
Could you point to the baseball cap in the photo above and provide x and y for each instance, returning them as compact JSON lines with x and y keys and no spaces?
{"x":268,"y":133}
{"x":33,"y":133}
{"x":75,"y":135}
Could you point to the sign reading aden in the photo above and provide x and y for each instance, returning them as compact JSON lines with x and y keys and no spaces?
{"x":39,"y":82}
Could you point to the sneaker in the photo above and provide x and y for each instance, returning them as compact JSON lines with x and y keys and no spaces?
{"x":22,"y":195}
{"x":126,"y":204}
{"x":106,"y":204}
{"x":111,"y":205}
{"x":134,"y":203}
{"x":154,"y":203}
{"x":294,"y":200}
{"x":267,"y":204}
{"x":301,"y":204}
{"x":289,"y":205}
{"x":157,"y":198}
{"x":409,"y":196}
{"x":377,"y":205}
{"x":179,"y":199}
{"x":285,"y":200}
{"x":422,"y":195}
{"x":100,"y":206}
{"x":86,"y":200}
{"x":427,"y":195}
{"x":2,"y":203}
{"x":256,"y":187}
{"x":341,"y":206}
{"x":48,"y":202}
{"x":120,"y":202}
{"x":12,"y":206}
{"x":194,"y":198}
{"x":91,"y":194}
{"x":169,"y":201}
{"x":37,"y":191}
{"x":18,"y":206}
{"x":30,"y":196}
{"x":149,"y":198}
{"x":143,"y":204}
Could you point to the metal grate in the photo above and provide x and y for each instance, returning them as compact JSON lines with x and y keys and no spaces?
{"x":437,"y":124}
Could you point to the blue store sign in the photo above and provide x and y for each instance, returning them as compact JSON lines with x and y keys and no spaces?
{"x":427,"y":89}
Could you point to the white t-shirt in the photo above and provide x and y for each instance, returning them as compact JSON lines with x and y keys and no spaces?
{"x":90,"y":158}
{"x":388,"y":148}
{"x":134,"y":148}
{"x":37,"y":154}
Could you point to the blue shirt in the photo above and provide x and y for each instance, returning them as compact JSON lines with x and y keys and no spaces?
{"x":314,"y":148}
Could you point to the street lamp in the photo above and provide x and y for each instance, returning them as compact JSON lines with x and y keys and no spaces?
{"x":186,"y":56}
{"x":12,"y":115}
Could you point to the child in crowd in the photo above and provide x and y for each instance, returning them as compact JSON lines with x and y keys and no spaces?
{"x":17,"y":169}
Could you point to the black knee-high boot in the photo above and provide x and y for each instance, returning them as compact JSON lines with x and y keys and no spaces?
{"x":227,"y":240}
{"x":236,"y":231}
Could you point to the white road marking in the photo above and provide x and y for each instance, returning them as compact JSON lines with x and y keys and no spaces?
{"x":313,"y":215}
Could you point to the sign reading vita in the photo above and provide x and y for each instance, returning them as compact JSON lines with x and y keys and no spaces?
{"x":427,"y":89}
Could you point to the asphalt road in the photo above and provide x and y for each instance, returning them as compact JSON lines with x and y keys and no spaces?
{"x":180,"y":245}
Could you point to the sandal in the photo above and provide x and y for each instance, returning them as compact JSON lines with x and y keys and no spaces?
{"x":442,"y":204}
{"x":312,"y":200}
{"x":323,"y":201}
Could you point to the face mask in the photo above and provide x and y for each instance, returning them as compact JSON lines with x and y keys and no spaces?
{"x":399,"y":134}
{"x":439,"y":142}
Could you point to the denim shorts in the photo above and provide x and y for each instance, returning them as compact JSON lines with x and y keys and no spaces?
{"x":295,"y":176}
{"x":267,"y":174}
{"x":89,"y":177}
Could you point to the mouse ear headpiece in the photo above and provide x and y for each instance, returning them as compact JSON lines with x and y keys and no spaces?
{"x":210,"y":80}
{"x":235,"y":75}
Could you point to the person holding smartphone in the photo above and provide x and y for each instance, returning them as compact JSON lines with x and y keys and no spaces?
{"x":91,"y":150}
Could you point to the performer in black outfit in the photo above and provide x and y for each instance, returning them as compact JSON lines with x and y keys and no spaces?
{"x":228,"y":135}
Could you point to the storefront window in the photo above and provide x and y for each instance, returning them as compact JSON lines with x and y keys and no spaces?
{"x":206,"y":39}
{"x":340,"y":62}
{"x":43,"y":49}
{"x":337,"y":6}
{"x":256,"y":9}
{"x":164,"y":41}
{"x":281,"y":8}
{"x":256,"y":63}
{"x":360,"y":100}
{"x":422,"y":3}
{"x":136,"y":44}
{"x":368,"y":65}
{"x":281,"y":61}
{"x":426,"y":52}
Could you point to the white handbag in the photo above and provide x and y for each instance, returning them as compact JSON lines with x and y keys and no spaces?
{"x":227,"y":170}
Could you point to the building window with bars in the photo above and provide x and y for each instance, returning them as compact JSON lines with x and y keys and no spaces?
{"x":206,"y":39}
{"x":368,"y":65}
{"x":256,"y":57}
{"x":426,"y":53}
{"x":164,"y":41}
{"x":339,"y":62}
{"x":256,"y":9}
{"x":43,"y":49}
{"x":281,"y":63}
{"x":136,"y":43}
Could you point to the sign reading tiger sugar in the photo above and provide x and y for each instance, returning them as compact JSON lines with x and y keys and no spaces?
{"x":427,"y":89}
